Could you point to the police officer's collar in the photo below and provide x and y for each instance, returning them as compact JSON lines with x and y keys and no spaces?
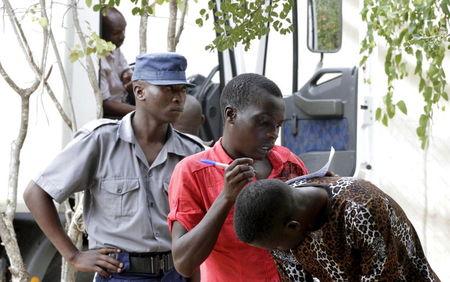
{"x":125,"y":131}
{"x":175,"y":143}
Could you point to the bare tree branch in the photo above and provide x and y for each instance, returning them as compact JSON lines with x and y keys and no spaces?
{"x":89,"y":63}
{"x":71,"y":122}
{"x":21,"y":38}
{"x":60,"y":109}
{"x":172,"y":26}
{"x":181,"y":23}
{"x":8,"y":80}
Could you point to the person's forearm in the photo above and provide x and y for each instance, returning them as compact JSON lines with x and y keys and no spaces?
{"x":116,"y":108}
{"x":44,"y":212}
{"x":191,"y":249}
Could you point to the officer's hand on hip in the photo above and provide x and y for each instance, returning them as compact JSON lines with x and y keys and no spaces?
{"x":99,"y":261}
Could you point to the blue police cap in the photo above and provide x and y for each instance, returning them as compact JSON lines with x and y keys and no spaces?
{"x":161,"y":69}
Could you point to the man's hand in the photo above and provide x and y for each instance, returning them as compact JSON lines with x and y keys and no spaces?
{"x":237,"y":175}
{"x":126,"y":80}
{"x":97,"y":261}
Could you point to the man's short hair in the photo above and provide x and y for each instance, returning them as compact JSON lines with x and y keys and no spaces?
{"x":105,"y":18}
{"x":260,"y":207}
{"x":245,"y":89}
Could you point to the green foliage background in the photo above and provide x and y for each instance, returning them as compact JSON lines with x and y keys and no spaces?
{"x":415,"y":28}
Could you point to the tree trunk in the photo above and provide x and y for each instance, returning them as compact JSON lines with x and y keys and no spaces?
{"x":75,"y":232}
{"x":143,"y":33}
{"x":171,"y":46}
{"x":8,"y":235}
{"x":7,"y":232}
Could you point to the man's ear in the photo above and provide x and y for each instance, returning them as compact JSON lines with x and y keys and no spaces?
{"x":293,"y":225}
{"x":203,"y":119}
{"x":138,"y":91}
{"x":230,"y":114}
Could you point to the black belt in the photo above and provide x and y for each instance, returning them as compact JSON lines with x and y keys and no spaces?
{"x":152,"y":263}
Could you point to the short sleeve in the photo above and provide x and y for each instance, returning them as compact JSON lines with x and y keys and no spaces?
{"x":299,"y":162}
{"x":291,"y":165}
{"x":73,"y":170}
{"x":185,"y":199}
{"x":104,"y":85}
{"x":122,"y":63}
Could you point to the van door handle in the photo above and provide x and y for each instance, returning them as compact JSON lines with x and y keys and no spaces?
{"x":320,"y":108}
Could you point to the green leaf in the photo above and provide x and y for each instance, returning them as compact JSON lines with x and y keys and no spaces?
{"x":378,"y":114}
{"x":424,"y":143}
{"x":445,"y":96}
{"x":97,"y":7}
{"x":390,"y":110}
{"x":398,"y":58}
{"x":385,"y":120}
{"x":420,"y":131}
{"x":88,"y":3}
{"x":421,"y":84}
{"x":43,"y":22}
{"x":75,"y":55}
{"x":402,"y":107}
{"x":427,"y":93}
{"x":199,"y":22}
{"x":423,"y":120}
{"x":135,"y":11}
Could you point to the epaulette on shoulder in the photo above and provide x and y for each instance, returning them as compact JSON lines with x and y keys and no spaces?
{"x":94,"y":124}
{"x":194,"y":139}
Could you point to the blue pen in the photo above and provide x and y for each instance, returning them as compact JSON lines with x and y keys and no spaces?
{"x":214,"y":163}
{"x":222,"y":165}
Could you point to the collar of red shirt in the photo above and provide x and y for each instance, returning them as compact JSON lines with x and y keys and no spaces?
{"x":275,"y":158}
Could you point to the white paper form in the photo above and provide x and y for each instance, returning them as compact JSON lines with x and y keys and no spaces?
{"x":319,"y":173}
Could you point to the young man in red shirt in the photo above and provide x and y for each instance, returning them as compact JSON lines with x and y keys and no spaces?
{"x":202,"y":196}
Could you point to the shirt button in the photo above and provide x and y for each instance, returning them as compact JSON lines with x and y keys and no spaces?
{"x":119,"y":190}
{"x":156,"y":233}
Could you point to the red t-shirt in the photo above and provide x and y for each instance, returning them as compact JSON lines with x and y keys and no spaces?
{"x":194,"y":187}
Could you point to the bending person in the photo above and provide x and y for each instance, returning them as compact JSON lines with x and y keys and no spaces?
{"x":331,"y":229}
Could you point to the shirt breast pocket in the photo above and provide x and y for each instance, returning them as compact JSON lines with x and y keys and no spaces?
{"x":119,"y":197}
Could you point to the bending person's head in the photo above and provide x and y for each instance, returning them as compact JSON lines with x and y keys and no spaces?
{"x":265,"y":215}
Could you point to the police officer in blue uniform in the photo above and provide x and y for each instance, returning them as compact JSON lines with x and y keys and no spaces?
{"x":124,"y":168}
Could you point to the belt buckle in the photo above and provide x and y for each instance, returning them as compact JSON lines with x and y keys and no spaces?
{"x":113,"y":255}
{"x":155,"y":264}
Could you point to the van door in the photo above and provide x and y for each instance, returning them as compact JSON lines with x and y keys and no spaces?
{"x":323,"y":113}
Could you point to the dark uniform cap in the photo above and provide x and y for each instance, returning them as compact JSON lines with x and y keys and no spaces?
{"x":161,"y":69}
